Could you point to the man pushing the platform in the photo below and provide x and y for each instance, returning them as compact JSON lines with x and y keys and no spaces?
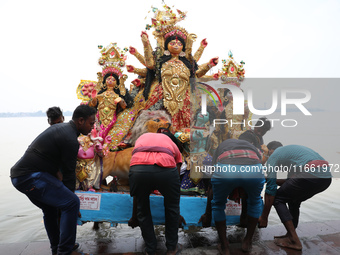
{"x":36,"y":175}
{"x":308,"y":175}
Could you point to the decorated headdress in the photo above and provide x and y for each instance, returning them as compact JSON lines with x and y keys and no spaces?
{"x":166,"y":19}
{"x":164,"y":22}
{"x":112,"y":60}
{"x":232,"y":72}
{"x":177,"y":31}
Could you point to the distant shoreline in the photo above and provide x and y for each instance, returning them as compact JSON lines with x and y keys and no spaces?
{"x":28,"y":114}
{"x":69,"y":113}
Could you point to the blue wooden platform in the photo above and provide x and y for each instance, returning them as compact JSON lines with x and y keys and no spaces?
{"x":117,"y":208}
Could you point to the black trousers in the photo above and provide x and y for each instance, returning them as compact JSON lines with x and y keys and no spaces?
{"x":296,"y":190}
{"x":144,"y":179}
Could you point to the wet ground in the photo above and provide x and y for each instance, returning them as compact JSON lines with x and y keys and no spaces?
{"x":317,"y":238}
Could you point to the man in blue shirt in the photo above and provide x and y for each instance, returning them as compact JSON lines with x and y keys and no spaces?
{"x":308,"y":175}
{"x":36,"y":175}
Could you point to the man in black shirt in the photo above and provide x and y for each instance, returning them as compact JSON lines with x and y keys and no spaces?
{"x":36,"y":175}
{"x":55,"y":116}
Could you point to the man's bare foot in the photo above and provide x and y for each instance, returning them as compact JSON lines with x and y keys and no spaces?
{"x":288,"y":243}
{"x":75,"y":247}
{"x":283,"y":236}
{"x":133,"y":222}
{"x":246,"y":246}
{"x":223,"y":250}
{"x":178,"y":250}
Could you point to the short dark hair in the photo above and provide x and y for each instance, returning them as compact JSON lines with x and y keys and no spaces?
{"x":84,"y":111}
{"x":250,"y":137}
{"x":274,"y":145}
{"x":54,"y":113}
{"x":168,"y":133}
{"x":263,"y":123}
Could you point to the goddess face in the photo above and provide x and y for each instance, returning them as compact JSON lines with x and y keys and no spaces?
{"x":175,"y":46}
{"x":111,"y":82}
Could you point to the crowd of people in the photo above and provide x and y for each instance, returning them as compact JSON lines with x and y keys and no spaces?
{"x":46,"y":175}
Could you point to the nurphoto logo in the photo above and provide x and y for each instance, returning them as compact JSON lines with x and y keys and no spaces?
{"x":239,"y":105}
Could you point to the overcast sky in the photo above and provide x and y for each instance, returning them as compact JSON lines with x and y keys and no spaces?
{"x":47,"y":47}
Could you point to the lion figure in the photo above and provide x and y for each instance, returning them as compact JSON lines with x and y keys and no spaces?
{"x":117,"y":163}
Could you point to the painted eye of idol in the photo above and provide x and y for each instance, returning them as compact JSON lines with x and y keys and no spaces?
{"x":176,"y":42}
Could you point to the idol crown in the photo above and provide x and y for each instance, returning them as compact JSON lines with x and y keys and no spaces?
{"x":231,"y":70}
{"x":112,"y":59}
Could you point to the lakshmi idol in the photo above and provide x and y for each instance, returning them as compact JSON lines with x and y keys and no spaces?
{"x":116,"y":109}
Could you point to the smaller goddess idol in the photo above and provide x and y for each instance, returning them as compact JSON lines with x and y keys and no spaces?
{"x":113,"y":100}
{"x":113,"y":96}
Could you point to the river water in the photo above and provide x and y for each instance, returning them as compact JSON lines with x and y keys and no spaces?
{"x":21,"y":221}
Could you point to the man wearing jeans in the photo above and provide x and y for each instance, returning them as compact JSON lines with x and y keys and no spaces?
{"x":237,"y":163}
{"x":308,"y":175}
{"x":36,"y":175}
